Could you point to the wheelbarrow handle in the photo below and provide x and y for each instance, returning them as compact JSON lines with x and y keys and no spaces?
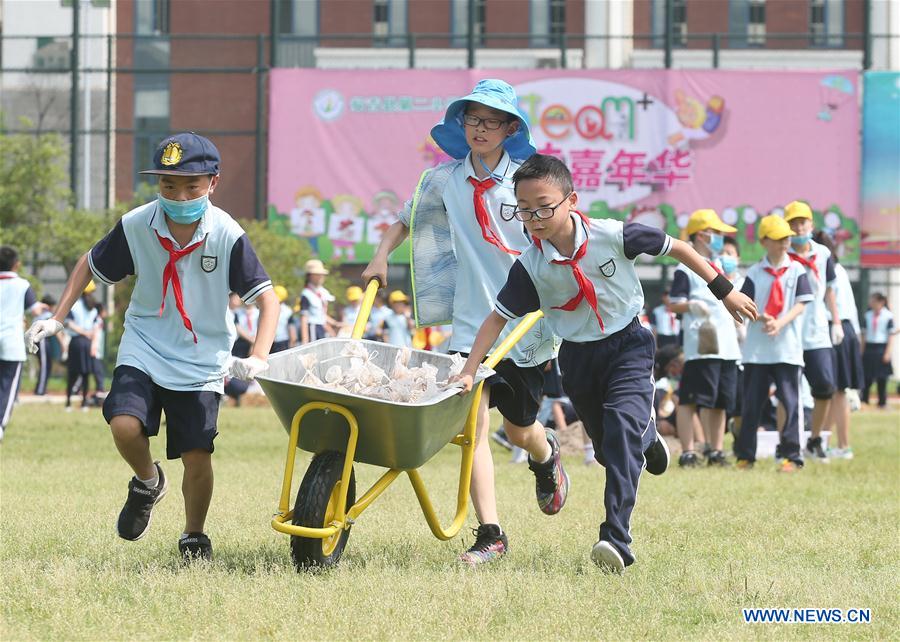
{"x":513,"y":337}
{"x":365,"y":309}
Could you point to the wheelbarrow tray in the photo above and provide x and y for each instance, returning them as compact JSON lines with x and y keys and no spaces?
{"x":391,"y":434}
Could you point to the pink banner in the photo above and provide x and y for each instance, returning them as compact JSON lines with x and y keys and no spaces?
{"x":346,"y":147}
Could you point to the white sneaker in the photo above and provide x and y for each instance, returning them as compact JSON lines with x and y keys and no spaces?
{"x":607,"y":557}
{"x":841,"y":453}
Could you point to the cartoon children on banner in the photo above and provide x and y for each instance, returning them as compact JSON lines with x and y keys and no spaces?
{"x":308,"y":218}
{"x":385,"y":205}
{"x":346,"y":226}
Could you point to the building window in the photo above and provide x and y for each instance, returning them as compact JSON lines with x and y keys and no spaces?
{"x":548,"y":22}
{"x":151,"y":16}
{"x":679,"y":23}
{"x":381,"y":26}
{"x":460,"y":22}
{"x":756,"y":24}
{"x":388,"y":19}
{"x":557,"y":21}
{"x":826,"y":23}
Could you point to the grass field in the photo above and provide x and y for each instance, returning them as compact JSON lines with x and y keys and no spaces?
{"x":708,"y":542}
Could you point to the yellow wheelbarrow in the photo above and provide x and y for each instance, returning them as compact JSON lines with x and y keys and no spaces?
{"x":345,"y":428}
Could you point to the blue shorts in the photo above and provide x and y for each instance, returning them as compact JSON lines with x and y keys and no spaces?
{"x":191,"y":415}
{"x":709,"y":383}
{"x":516,"y":391}
{"x":818,"y":368}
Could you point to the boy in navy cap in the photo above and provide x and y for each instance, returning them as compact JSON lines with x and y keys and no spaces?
{"x":773,"y":349}
{"x":461,"y":251}
{"x":16,"y":298}
{"x":188,"y":256}
{"x":580,"y":272}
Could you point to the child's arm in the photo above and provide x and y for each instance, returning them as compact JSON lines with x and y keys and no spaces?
{"x":292,"y":335}
{"x":886,"y":358}
{"x":390,"y":240}
{"x":739,"y":305}
{"x":304,"y":328}
{"x":773,"y":326}
{"x":837,"y":330}
{"x":487,"y":335}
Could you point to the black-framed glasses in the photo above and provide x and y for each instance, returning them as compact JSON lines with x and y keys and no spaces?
{"x":509,"y":212}
{"x":489,"y":123}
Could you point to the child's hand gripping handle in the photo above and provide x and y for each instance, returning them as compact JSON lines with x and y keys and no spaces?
{"x":366,"y":308}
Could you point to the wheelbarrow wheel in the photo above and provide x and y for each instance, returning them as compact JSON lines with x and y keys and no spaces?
{"x":317,"y":499}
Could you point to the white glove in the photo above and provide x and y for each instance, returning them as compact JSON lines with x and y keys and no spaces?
{"x":837,"y":334}
{"x":39,"y":331}
{"x":698,"y":308}
{"x":853,"y":399}
{"x":247,"y":369}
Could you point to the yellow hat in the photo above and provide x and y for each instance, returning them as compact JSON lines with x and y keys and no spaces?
{"x":705,"y":220}
{"x":797,"y":209}
{"x":90,"y":287}
{"x":315,"y":266}
{"x":354,"y":293}
{"x":773,"y":227}
{"x":280,"y":292}
{"x":397,"y":297}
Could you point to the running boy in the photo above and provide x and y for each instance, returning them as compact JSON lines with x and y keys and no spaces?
{"x":773,"y":349}
{"x":580,"y":272}
{"x":819,"y":334}
{"x":462,"y":249}
{"x":709,"y":383}
{"x":16,"y":298}
{"x":174,"y":352}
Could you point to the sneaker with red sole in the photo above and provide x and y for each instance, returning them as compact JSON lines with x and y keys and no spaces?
{"x":490,"y":544}
{"x":551,"y":483}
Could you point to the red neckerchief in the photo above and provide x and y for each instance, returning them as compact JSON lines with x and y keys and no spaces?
{"x":171,"y":274}
{"x":481,"y":214}
{"x":716,"y":268}
{"x":585,"y":287}
{"x":807,"y":263}
{"x":672,"y":321}
{"x":875,"y":321}
{"x":775,"y":304}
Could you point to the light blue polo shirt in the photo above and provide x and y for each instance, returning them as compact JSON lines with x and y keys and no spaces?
{"x":16,"y":298}
{"x":284,"y":318}
{"x":396,"y":330}
{"x":687,"y":286}
{"x":666,"y":323}
{"x":481,"y":266}
{"x":535,"y":282}
{"x":787,"y":345}
{"x":161,"y":346}
{"x":843,"y":296}
{"x":81,"y":315}
{"x":816,"y":333}
{"x":878,"y":330}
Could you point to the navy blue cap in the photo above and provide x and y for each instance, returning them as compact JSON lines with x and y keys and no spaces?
{"x":185,"y":154}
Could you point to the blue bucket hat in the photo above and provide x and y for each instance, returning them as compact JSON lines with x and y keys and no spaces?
{"x":450,"y":134}
{"x":185,"y":154}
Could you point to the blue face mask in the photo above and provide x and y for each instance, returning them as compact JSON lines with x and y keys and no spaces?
{"x":185,"y":212}
{"x":799,"y":240}
{"x":729,"y":264}
{"x":716,"y":243}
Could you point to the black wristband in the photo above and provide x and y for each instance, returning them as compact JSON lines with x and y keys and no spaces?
{"x":720,"y":287}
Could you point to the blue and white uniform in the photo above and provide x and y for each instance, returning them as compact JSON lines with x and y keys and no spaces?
{"x":396,"y":330}
{"x":779,"y":359}
{"x":282,"y":332}
{"x":667,"y":325}
{"x":606,"y":372}
{"x":879,"y":327}
{"x":314,"y":302}
{"x":16,"y":298}
{"x":848,"y":365}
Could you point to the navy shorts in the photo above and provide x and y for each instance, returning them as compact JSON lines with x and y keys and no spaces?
{"x":848,"y":365}
{"x":279,"y":346}
{"x":553,"y":380}
{"x":818,"y":368}
{"x":191,"y":415}
{"x":516,"y":391}
{"x":709,"y":383}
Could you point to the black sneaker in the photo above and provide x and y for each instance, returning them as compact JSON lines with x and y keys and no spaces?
{"x":490,"y":544}
{"x":134,"y":520}
{"x":195,"y":546}
{"x":688,"y":459}
{"x":717,"y":458}
{"x":500,"y":437}
{"x":551,"y":483}
{"x":815,"y":451}
{"x":657,"y":456}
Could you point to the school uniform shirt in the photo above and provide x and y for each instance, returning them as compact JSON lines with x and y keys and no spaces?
{"x":247,"y":319}
{"x":396,"y":330}
{"x":284,"y":318}
{"x":687,"y":286}
{"x":481,"y":267}
{"x":816,"y":332}
{"x":843,"y":296}
{"x":376,"y":316}
{"x":666,"y":323}
{"x":83,"y":316}
{"x":787,"y":345}
{"x":16,"y":298}
{"x":880,"y":326}
{"x":314,"y":302}
{"x":349,"y":314}
{"x":159,"y":344}
{"x":536,"y":282}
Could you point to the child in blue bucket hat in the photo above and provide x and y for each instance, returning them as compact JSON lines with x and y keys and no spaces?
{"x":461,"y":251}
